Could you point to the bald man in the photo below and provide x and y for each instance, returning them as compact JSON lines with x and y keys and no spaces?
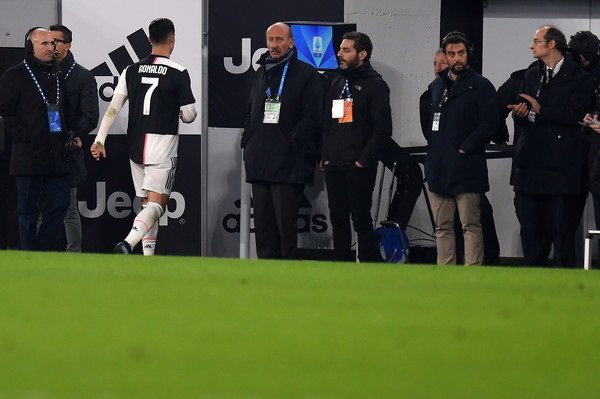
{"x":439,"y":64}
{"x":284,"y":112}
{"x":31,"y":102}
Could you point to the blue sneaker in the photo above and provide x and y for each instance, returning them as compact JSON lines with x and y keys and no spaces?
{"x":122,"y":247}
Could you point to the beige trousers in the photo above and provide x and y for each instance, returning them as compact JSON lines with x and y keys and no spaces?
{"x":469,"y":211}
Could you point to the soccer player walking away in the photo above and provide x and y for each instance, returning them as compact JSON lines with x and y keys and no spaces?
{"x":159,"y":93}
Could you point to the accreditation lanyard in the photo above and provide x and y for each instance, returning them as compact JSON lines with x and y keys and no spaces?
{"x":70,"y":70}
{"x":273,"y":106}
{"x":540,"y":84}
{"x":437,"y":116}
{"x":54,"y":122}
{"x":341,"y":108}
{"x":531,"y":115}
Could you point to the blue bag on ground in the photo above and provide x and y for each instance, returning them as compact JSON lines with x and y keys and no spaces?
{"x":393,"y":242}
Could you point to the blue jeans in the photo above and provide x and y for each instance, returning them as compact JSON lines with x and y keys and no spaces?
{"x":47,"y":196}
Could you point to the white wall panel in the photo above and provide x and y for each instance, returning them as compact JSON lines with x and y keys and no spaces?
{"x":17,"y":16}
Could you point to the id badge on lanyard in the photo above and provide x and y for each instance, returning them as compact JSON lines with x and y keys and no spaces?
{"x":54,"y":122}
{"x":347,"y":117}
{"x":341,"y":109}
{"x":272,"y":110}
{"x":435,"y":127}
{"x":337,"y":108}
{"x":273,"y":106}
{"x":54,"y":119}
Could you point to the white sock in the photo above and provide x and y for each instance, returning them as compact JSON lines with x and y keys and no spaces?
{"x":149,"y":240}
{"x":143,"y":222}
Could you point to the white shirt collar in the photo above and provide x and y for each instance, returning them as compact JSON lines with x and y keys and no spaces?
{"x":556,"y":67}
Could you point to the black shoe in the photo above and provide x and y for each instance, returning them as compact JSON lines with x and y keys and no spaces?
{"x":122,"y":247}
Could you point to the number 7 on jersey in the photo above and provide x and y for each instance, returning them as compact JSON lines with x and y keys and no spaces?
{"x":153,"y":82}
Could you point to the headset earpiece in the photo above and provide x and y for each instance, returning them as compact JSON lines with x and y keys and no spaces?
{"x":28,"y":43}
{"x":470,"y":47}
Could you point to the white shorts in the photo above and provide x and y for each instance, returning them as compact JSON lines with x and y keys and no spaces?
{"x":158,"y":178}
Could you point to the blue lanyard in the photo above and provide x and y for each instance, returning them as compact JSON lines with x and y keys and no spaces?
{"x":70,"y":70}
{"x":285,"y":68}
{"x":345,"y":90}
{"x":37,"y":84}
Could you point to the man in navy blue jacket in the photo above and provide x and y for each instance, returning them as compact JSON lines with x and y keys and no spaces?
{"x":463,"y":119}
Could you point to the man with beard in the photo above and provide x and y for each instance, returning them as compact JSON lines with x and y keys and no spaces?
{"x":357,"y":126}
{"x":284,"y":112}
{"x":463,"y":119}
{"x":491,"y":246}
{"x":550,"y":168}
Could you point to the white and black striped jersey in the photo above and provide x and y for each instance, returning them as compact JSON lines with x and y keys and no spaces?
{"x":156,"y":88}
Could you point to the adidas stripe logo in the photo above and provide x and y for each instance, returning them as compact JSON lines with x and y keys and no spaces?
{"x":120,"y":56}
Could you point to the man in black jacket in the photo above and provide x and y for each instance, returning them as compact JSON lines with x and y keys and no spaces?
{"x":31,"y":102}
{"x":357,"y":126}
{"x":587,"y":45}
{"x":81,"y":112}
{"x":550,"y":158}
{"x":463,"y":119}
{"x":284,"y":112}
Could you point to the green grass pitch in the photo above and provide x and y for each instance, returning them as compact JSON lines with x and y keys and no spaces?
{"x":109,"y":327}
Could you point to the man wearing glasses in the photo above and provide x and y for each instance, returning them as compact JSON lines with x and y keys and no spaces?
{"x":81,"y":113}
{"x":550,"y":176}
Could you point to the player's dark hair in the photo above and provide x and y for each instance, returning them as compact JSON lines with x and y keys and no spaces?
{"x":160,"y":29}
{"x":66,"y":32}
{"x":361,"y":42}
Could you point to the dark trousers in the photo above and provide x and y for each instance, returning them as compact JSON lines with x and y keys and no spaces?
{"x":548,"y":220}
{"x":276,"y":208}
{"x":596,"y":201}
{"x":350,"y":194}
{"x":49,"y":197}
{"x":9,"y":237}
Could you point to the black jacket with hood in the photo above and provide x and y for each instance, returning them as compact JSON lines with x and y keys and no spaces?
{"x":364,"y":139}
